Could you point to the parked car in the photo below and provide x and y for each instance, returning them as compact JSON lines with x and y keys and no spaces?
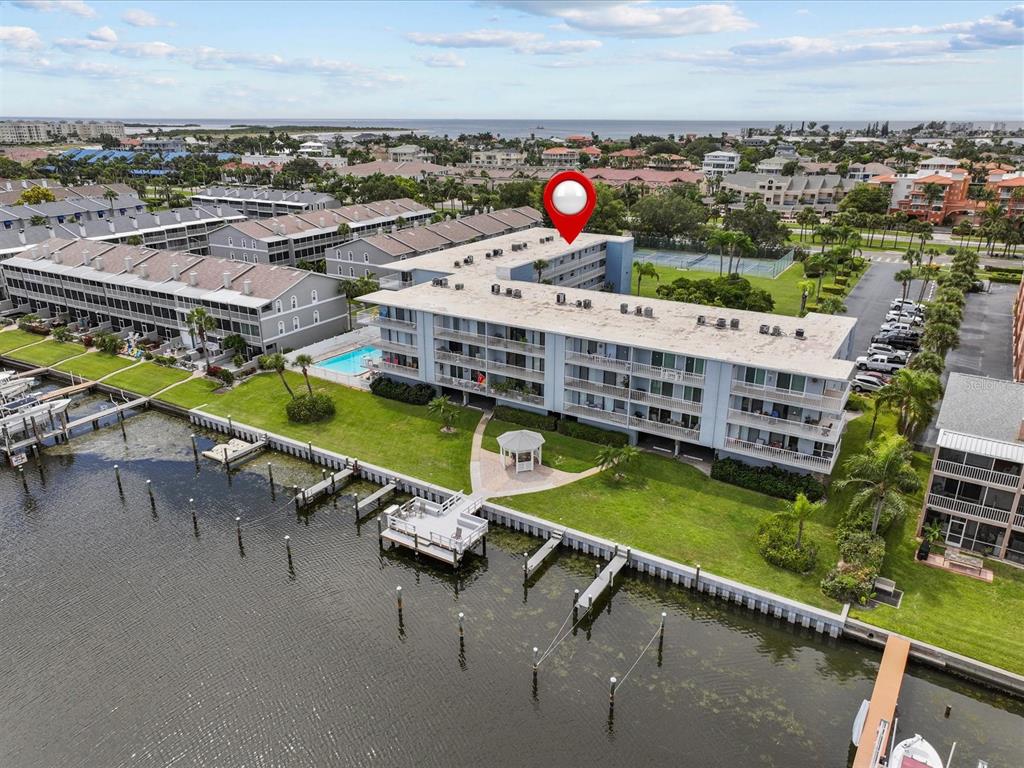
{"x":905,"y":304}
{"x":881,"y":348}
{"x":896,"y":327}
{"x":883,"y":363}
{"x":865,"y":382}
{"x":901,"y":341}
{"x":904,"y":317}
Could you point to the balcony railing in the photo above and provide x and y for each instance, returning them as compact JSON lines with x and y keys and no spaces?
{"x":444,"y":356}
{"x":831,"y":400}
{"x":989,"y":476}
{"x":672,"y":403}
{"x":396,"y":346}
{"x":828,"y":432}
{"x":597,"y":414}
{"x":597,"y":387}
{"x":661,"y":428}
{"x":625,"y":366}
{"x":780,"y":455}
{"x":404,"y":370}
{"x":393,"y":282}
{"x":368,"y":317}
{"x":517,"y":371}
{"x":967,"y":508}
{"x":1018,"y":521}
{"x":453,"y":334}
{"x":597,"y":361}
{"x":467,"y":384}
{"x":523,"y":397}
{"x":472,"y":386}
{"x":496,"y":342}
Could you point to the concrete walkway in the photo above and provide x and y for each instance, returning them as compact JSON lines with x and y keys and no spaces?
{"x":491,"y":478}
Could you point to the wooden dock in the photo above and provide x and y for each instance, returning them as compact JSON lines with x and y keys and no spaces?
{"x":876,"y":735}
{"x":374,"y":500}
{"x":444,"y":531}
{"x":64,"y":430}
{"x":536,"y":560}
{"x":326,"y":487}
{"x":604,"y":580}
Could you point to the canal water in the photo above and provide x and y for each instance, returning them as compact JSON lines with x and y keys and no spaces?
{"x":129,"y":639}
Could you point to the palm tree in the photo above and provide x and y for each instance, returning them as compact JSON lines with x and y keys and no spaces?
{"x":964,"y":230}
{"x":645,"y":269}
{"x":276,"y":362}
{"x":615,"y":457}
{"x":720,"y":239}
{"x":925,"y":360}
{"x":807,"y":219}
{"x":539,"y":266}
{"x":913,"y":393}
{"x":200,"y":322}
{"x":742,"y":243}
{"x":940,"y":338}
{"x":806,"y":288}
{"x":904,"y":276}
{"x":111,"y":196}
{"x":941,"y":312}
{"x":826,"y":234}
{"x":443,"y":408}
{"x":881,"y":474}
{"x":802,"y":508}
{"x":932,"y":192}
{"x":831,"y":305}
{"x":304,"y":361}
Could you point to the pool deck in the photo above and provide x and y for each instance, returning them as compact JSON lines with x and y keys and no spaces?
{"x":335,"y":346}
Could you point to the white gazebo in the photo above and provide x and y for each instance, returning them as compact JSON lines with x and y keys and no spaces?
{"x":523,"y":447}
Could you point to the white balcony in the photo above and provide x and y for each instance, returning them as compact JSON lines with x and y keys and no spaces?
{"x":640,"y":369}
{"x":393,"y":282}
{"x":467,"y":337}
{"x":671,"y":403}
{"x":961,"y":507}
{"x":661,"y":428}
{"x":396,"y":346}
{"x":402,"y":370}
{"x":597,"y":414}
{"x":444,"y":356}
{"x":781,"y":455}
{"x":369,"y":317}
{"x":522,"y":397}
{"x":831,"y":400}
{"x":989,"y":476}
{"x":515,"y":371}
{"x":597,"y":387}
{"x":466,"y":384}
{"x":828,"y":432}
{"x":597,"y":361}
{"x":483,"y":389}
{"x":496,"y":342}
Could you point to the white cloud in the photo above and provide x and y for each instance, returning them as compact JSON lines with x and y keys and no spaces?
{"x":104,"y":35}
{"x":443,"y":60}
{"x":75,"y":7}
{"x":136,"y":17}
{"x":149,"y":50}
{"x":20,"y":38}
{"x":637,"y":18}
{"x":562,"y":46}
{"x":481,"y":38}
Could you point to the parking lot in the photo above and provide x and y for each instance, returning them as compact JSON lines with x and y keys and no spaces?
{"x":870,"y":299}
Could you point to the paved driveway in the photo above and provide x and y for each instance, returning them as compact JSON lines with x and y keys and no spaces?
{"x":870,"y":299}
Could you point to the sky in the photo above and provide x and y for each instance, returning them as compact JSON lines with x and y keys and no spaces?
{"x":623,"y":59}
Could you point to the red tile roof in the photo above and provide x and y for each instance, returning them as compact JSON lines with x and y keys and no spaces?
{"x":933,"y":179}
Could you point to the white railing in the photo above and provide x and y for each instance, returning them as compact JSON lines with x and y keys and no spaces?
{"x":393,"y":283}
{"x":967,"y":508}
{"x":496,"y":342}
{"x":369,"y":317}
{"x":640,"y":369}
{"x":396,"y":346}
{"x":661,"y":428}
{"x":405,"y":370}
{"x":523,"y":397}
{"x":977,"y":473}
{"x":597,"y":387}
{"x":467,"y":384}
{"x":1018,"y":521}
{"x":505,"y":369}
{"x":597,"y":414}
{"x":831,"y":400}
{"x":454,"y":334}
{"x":597,"y":361}
{"x":672,"y":403}
{"x":443,"y":355}
{"x":826,"y":432}
{"x":780,"y":455}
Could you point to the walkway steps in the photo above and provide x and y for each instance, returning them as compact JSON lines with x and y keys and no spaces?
{"x":604,"y":580}
{"x":536,"y":560}
{"x":374,"y":500}
{"x":876,"y":734}
{"x":326,"y":487}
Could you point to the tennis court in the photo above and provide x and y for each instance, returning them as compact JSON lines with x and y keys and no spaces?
{"x":708,"y":262}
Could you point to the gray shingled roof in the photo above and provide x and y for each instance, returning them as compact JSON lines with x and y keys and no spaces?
{"x":978,"y":405}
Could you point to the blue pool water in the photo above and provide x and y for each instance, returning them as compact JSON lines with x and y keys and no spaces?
{"x":350,"y":362}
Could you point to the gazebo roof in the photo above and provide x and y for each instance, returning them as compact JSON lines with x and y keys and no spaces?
{"x":520,"y":441}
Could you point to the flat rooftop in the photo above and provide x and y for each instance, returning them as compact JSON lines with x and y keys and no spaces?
{"x":983,"y":407}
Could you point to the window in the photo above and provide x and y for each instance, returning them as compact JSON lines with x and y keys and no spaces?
{"x":753,"y":375}
{"x":350,"y":255}
{"x":366,"y":273}
{"x":313,"y":297}
{"x":294,"y":302}
{"x":295,"y":323}
{"x":791,"y":381}
{"x":280,"y":327}
{"x":351,"y":271}
{"x":366,"y":258}
{"x":316,"y":316}
{"x":695,"y":365}
{"x":231,"y":241}
{"x":278,"y":307}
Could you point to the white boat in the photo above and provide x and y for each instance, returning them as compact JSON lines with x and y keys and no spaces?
{"x":16,"y":423}
{"x":858,"y":722}
{"x":914,"y":753}
{"x":15,"y":388}
{"x":5,"y":375}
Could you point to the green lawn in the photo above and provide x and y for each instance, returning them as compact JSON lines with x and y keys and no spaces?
{"x":17,"y":338}
{"x":147,"y":378}
{"x":95,"y":365}
{"x":191,"y":394}
{"x":48,"y":353}
{"x":568,"y":454}
{"x":396,"y":435}
{"x":783,"y":288}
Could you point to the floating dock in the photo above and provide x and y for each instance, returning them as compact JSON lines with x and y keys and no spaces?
{"x":444,"y":531}
{"x":604,"y":580}
{"x":876,"y":734}
{"x":234,"y":451}
{"x":536,"y":560}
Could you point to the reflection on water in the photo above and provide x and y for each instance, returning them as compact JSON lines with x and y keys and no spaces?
{"x":130,"y":639}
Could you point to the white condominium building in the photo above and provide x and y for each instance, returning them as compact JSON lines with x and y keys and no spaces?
{"x":720,"y":163}
{"x":761,"y":388}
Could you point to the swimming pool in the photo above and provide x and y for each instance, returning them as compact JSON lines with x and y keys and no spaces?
{"x":350,"y":362}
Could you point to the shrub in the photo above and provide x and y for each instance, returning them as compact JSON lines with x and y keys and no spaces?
{"x":592,"y":434}
{"x":108,"y":343}
{"x":307,"y":408}
{"x":147,"y":355}
{"x":861,"y":548}
{"x":849,"y":584}
{"x":87,"y":341}
{"x":214,"y":370}
{"x":770,"y":480}
{"x":238,"y":361}
{"x":164,"y":360}
{"x":776,"y":541}
{"x":856,"y":403}
{"x":226,"y":376}
{"x":951,"y":251}
{"x":1004,"y":268}
{"x":1002,"y":277}
{"x":841,"y":280}
{"x":835,"y":290}
{"x":526,"y":418}
{"x":418,"y":394}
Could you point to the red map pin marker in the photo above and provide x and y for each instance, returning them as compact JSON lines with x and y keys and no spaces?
{"x":569,"y":198}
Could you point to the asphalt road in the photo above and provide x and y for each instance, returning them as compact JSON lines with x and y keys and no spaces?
{"x":870,"y":299}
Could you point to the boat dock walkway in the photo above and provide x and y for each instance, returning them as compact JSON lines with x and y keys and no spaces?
{"x":374,"y":500}
{"x":38,"y":437}
{"x":71,"y":389}
{"x":326,"y":487}
{"x":536,"y":560}
{"x":876,"y":733}
{"x":30,"y":374}
{"x":604,"y":580}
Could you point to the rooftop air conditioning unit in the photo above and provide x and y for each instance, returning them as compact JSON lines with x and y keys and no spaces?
{"x":638,"y":311}
{"x":508,"y":291}
{"x":495,"y":288}
{"x":559,"y":298}
{"x":734,"y":323}
{"x":800,"y":333}
{"x":499,"y":251}
{"x":517,"y":294}
{"x":579,"y":303}
{"x":487,"y":255}
{"x":444,"y":282}
{"x":435,"y":282}
{"x":459,"y":286}
{"x":515,"y":247}
{"x":776,"y":330}
{"x":624,"y":308}
{"x":648,"y":311}
{"x":763,"y":328}
{"x":587,"y":303}
{"x":702,"y":320}
{"x":457,"y":263}
{"x":720,"y":322}
{"x":468,"y":260}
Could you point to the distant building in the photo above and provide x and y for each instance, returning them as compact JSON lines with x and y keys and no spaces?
{"x":498,"y":158}
{"x":69,"y":210}
{"x":720,"y":163}
{"x":627,"y":158}
{"x":264,"y":202}
{"x":313,"y":149}
{"x":618,"y":177}
{"x":409,"y":169}
{"x":668,"y":162}
{"x":1006,"y":188}
{"x":863,"y":172}
{"x":934,"y":196}
{"x":560,"y":157}
{"x":409,"y":152}
{"x":787,"y":195}
{"x":307,"y":236}
{"x":12,"y":189}
{"x":773,"y":166}
{"x":933,"y":164}
{"x":162,"y":144}
{"x":41,"y":131}
{"x":579,"y":140}
{"x":125,"y":288}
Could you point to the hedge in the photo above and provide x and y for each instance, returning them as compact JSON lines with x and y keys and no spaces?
{"x":592,"y":434}
{"x":418,"y":394}
{"x":307,"y":408}
{"x":835,"y":290}
{"x":770,"y":480}
{"x":776,"y":541}
{"x":525,"y":418}
{"x":1004,"y":268}
{"x":1003,"y":277}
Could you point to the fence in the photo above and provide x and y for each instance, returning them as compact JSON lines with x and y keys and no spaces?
{"x":710,"y":262}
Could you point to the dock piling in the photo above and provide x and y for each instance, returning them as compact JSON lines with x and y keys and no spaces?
{"x":398,"y":597}
{"x":536,"y":658}
{"x":575,"y":604}
{"x":195,"y":449}
{"x":949,"y":710}
{"x":21,"y":474}
{"x":611,"y":690}
{"x":238,"y":532}
{"x":149,"y":490}
{"x":195,"y":520}
{"x":120,"y":420}
{"x":117,"y":477}
{"x":288,"y":549}
{"x":462,"y":616}
{"x":270,"y":474}
{"x":696,"y":579}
